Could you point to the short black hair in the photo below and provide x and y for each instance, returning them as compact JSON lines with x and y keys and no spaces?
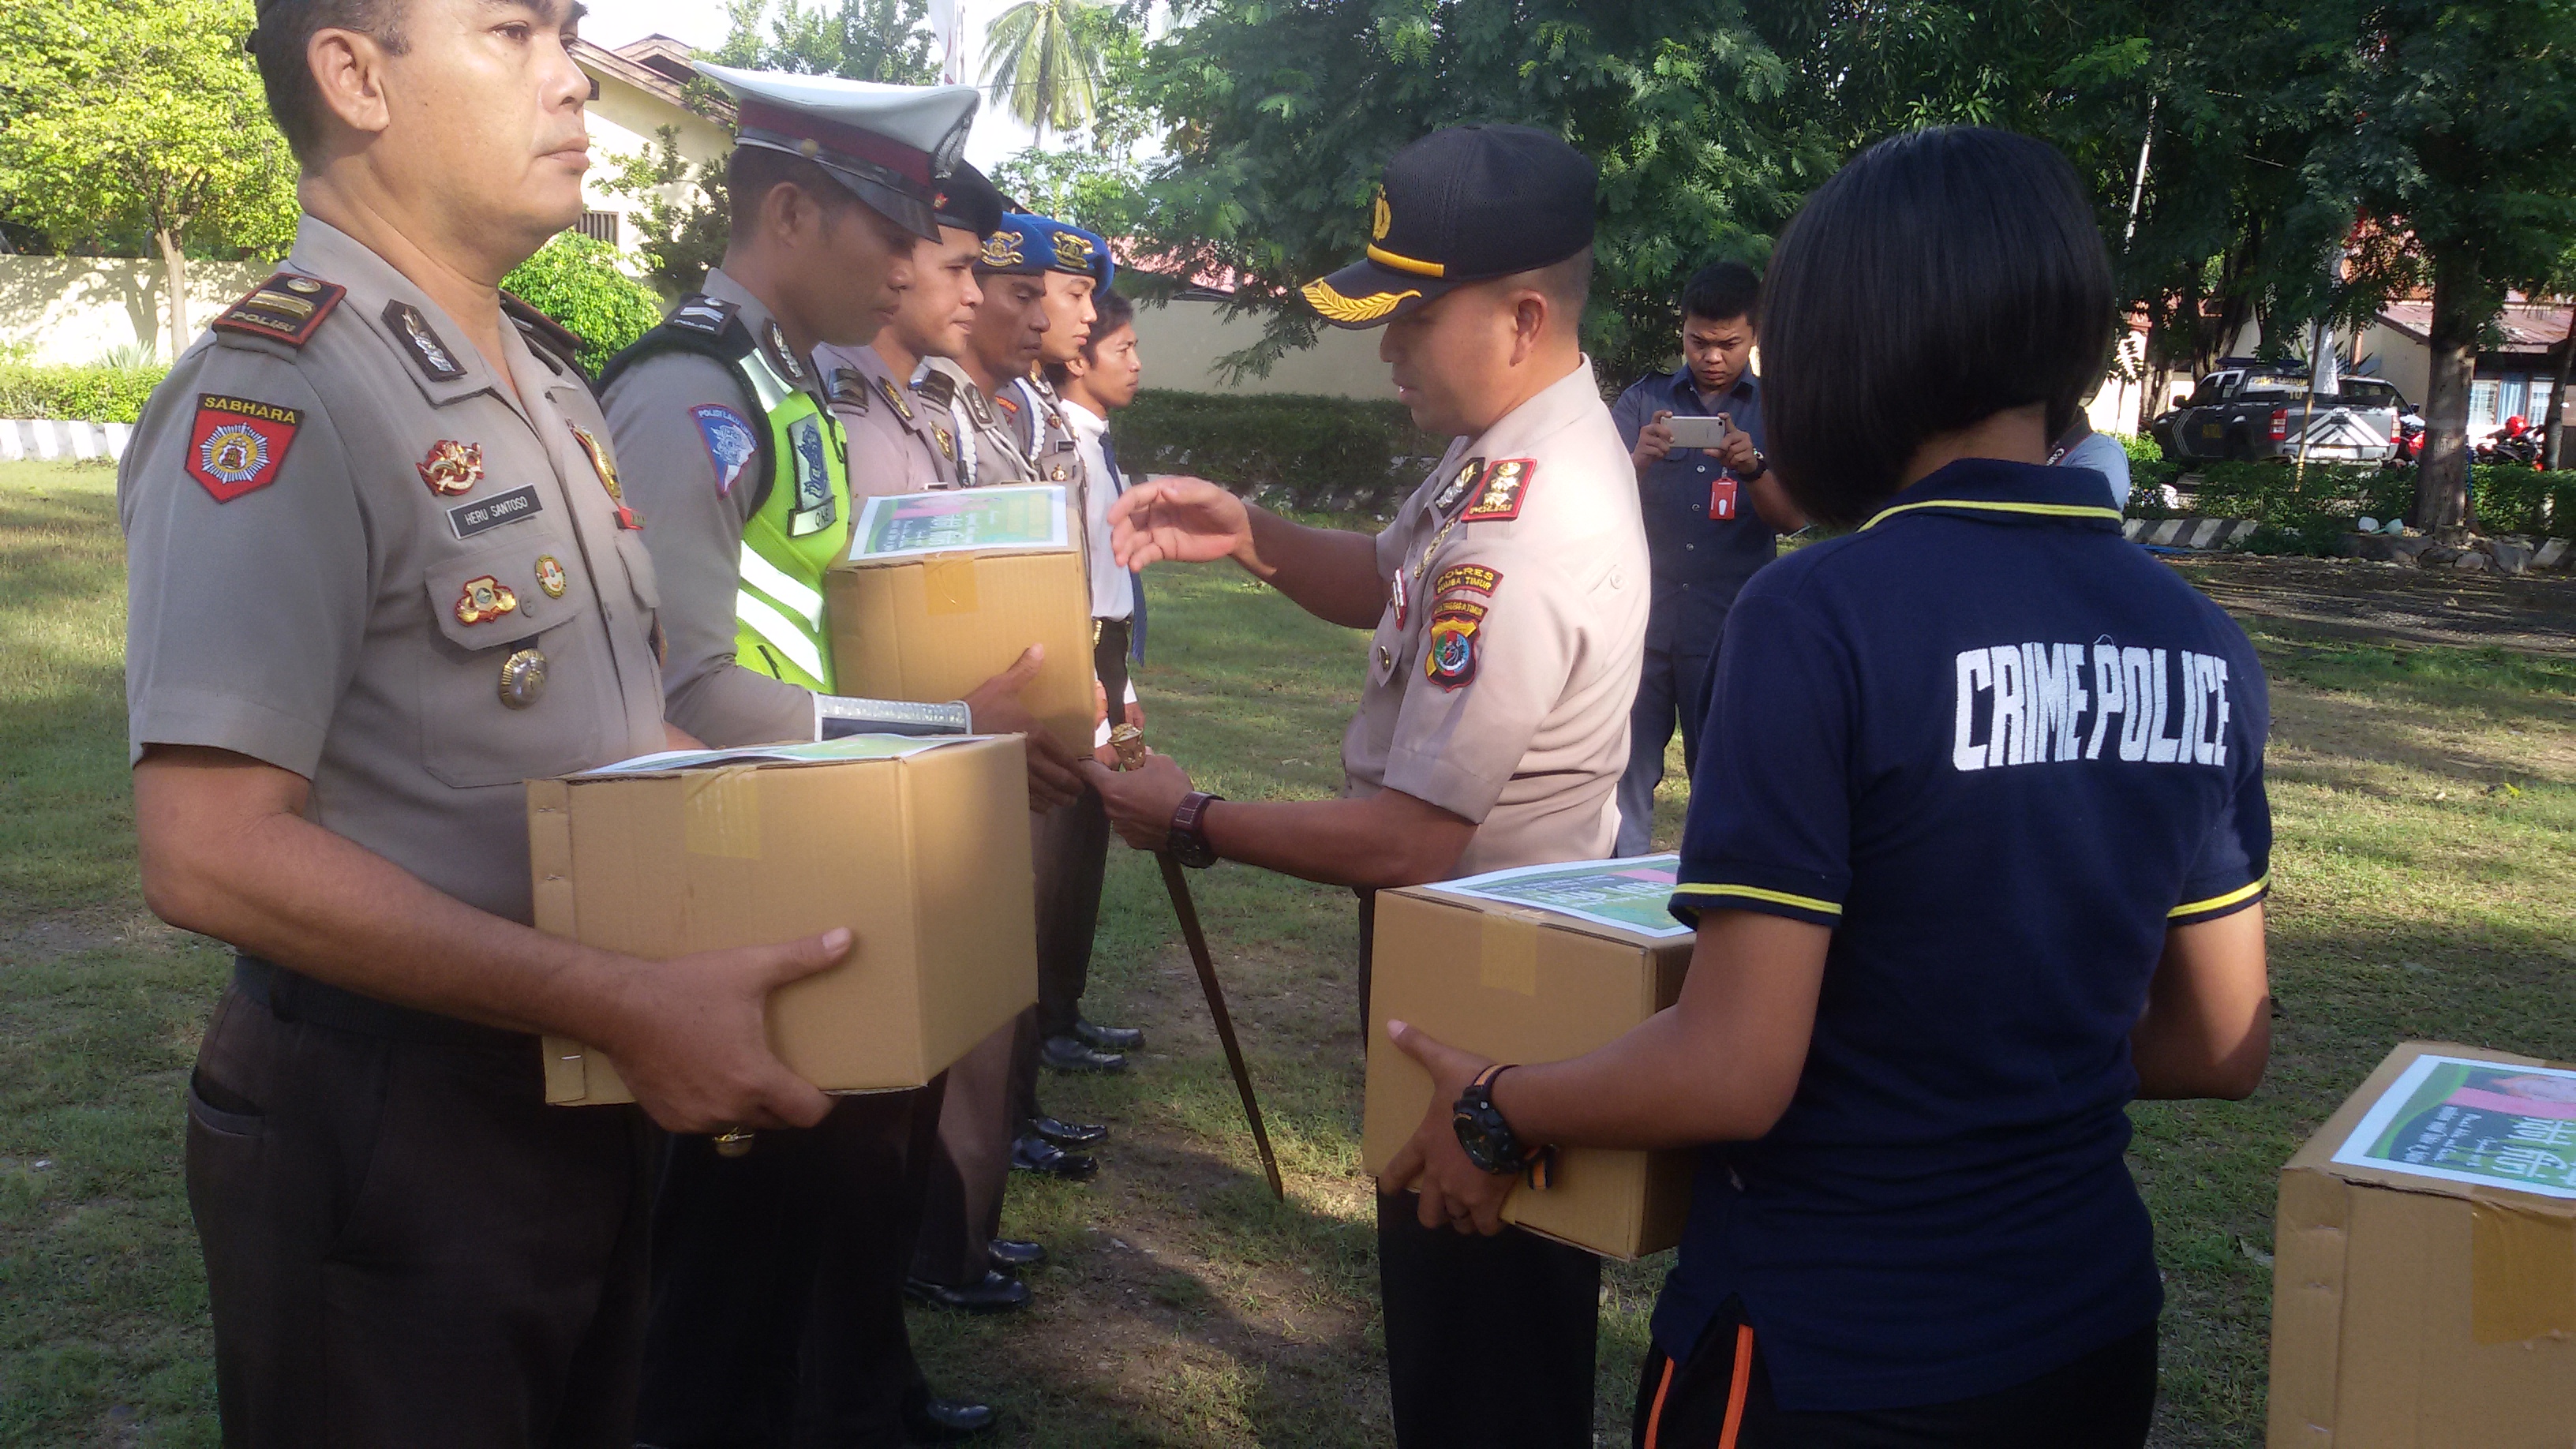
{"x":751,"y":172}
{"x":1941,"y":277}
{"x":284,"y":31}
{"x":1115,"y":311}
{"x":1722,"y":292}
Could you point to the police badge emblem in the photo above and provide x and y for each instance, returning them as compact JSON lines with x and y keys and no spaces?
{"x":484,"y":600}
{"x":773,"y":346}
{"x":550,"y":575}
{"x":606,"y":468}
{"x":451,"y":467}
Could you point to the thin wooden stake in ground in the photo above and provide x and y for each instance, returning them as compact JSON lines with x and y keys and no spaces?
{"x":1129,"y":742}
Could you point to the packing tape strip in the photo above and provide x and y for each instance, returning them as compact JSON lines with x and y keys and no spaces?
{"x":2522,"y":1272}
{"x":720,"y":812}
{"x":948,"y":585}
{"x":1507,"y":956}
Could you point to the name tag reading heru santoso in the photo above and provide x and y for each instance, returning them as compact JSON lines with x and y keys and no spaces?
{"x":2035,"y":703}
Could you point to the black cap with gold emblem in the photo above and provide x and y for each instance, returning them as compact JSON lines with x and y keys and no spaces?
{"x":1461,"y":205}
{"x":965,"y":200}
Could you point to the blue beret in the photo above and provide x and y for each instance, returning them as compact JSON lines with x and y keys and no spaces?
{"x":1030,"y":245}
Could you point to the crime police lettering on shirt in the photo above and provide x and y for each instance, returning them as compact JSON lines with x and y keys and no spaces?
{"x":2041,"y":703}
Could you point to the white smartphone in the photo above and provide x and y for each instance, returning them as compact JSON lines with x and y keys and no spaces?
{"x":1697,"y":432}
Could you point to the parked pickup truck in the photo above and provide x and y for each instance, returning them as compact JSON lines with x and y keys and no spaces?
{"x":2257,"y":411}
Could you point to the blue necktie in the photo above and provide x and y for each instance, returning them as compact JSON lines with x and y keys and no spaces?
{"x":1135,"y":579}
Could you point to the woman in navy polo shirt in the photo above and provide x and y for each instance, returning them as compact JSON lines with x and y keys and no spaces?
{"x":1983,"y":859}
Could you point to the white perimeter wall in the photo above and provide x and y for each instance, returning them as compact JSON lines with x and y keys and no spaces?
{"x":70,"y":310}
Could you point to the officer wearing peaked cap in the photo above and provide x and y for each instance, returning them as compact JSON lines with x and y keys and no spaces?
{"x":1509,"y":597}
{"x":901,"y":441}
{"x":381,"y":574}
{"x":762,"y":1333}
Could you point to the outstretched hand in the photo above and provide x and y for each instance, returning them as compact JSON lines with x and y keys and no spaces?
{"x":1455,"y":1191}
{"x":1141,"y":801}
{"x":1175,"y":519}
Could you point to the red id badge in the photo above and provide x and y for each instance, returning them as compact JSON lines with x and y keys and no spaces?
{"x":1721,"y":497}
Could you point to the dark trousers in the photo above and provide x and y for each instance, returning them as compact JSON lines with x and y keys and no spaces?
{"x":1721,"y":1399}
{"x":970,"y":1159}
{"x":1489,"y":1341}
{"x":1672,"y":686}
{"x":404,"y":1244}
{"x":778,"y":1282}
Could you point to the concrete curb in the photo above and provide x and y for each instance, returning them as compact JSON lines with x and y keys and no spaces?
{"x":50,"y":439}
{"x":2186,"y":532}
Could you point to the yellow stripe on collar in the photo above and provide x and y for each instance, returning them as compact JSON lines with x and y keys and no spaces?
{"x":1385,"y":258}
{"x":2051,"y":510}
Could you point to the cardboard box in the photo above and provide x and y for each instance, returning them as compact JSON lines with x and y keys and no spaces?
{"x":942,"y":591}
{"x":919,"y":846}
{"x":1533,"y":965}
{"x":2424,"y":1268}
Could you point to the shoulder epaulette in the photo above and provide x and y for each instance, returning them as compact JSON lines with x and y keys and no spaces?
{"x":699,"y":312}
{"x":937,"y":386}
{"x":544,"y":333}
{"x":849,"y":389}
{"x":285,"y":308}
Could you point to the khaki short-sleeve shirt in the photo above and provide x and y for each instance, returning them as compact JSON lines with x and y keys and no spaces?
{"x":900,"y":441}
{"x":363,"y":560}
{"x":1501,"y":673}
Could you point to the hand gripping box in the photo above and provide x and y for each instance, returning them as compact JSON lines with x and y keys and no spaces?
{"x":919,"y":846}
{"x":941,"y":591}
{"x":2424,"y":1267}
{"x":1532,"y":965}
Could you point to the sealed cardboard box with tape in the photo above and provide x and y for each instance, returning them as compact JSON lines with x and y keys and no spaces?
{"x":941,"y":591}
{"x":2424,"y":1261}
{"x":919,"y":846}
{"x":1535,"y":964}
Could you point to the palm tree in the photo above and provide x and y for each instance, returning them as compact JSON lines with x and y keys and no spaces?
{"x":1042,"y":62}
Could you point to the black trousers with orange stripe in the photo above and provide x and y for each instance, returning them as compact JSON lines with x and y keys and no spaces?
{"x":1720,"y":1398}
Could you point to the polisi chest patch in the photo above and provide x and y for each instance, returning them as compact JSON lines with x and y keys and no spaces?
{"x":238,"y":444}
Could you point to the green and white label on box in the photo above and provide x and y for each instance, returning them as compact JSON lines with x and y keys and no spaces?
{"x":962,"y":520}
{"x":1634,"y":894}
{"x":2458,"y":1119}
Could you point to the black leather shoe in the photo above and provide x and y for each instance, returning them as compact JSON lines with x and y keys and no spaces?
{"x":1069,"y":1054}
{"x":1108,"y":1038}
{"x":1069,"y":1134}
{"x":1010,"y":1255}
{"x":1033,"y":1153}
{"x":998,"y":1293}
{"x":945,"y":1421}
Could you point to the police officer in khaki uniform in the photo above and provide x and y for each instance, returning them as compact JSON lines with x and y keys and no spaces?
{"x":1509,"y":599}
{"x":900,"y":441}
{"x":778,"y":1273}
{"x":380,"y":575}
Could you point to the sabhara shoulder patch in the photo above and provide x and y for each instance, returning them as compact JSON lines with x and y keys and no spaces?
{"x":285,"y":308}
{"x":1506,"y":484}
{"x":238,"y":444}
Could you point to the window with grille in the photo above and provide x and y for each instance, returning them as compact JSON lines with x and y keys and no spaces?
{"x":599,"y":226}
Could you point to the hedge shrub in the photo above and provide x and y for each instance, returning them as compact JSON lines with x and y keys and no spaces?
{"x":76,"y":394}
{"x":575,"y":280}
{"x":1288,"y":450}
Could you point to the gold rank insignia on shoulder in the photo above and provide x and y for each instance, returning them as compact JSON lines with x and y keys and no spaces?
{"x":894,"y":398}
{"x":428,"y":351}
{"x":451,"y":467}
{"x":1506,"y":485}
{"x":947,"y":442}
{"x":484,"y":600}
{"x":550,"y":575}
{"x":285,"y":308}
{"x":523,"y":678}
{"x":1458,"y":484}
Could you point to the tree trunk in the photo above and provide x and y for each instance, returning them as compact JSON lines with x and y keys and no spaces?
{"x":2442,"y":478}
{"x":2550,"y":456}
{"x":174,"y":276}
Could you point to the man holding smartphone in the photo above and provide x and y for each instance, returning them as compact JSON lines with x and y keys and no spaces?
{"x":1713,"y":514}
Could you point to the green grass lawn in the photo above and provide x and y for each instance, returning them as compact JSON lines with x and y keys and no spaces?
{"x":2425,"y":801}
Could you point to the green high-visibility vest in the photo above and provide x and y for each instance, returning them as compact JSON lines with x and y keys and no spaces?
{"x":801,"y":526}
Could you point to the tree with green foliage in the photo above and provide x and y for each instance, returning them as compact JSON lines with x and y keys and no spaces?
{"x":142,"y":114}
{"x":869,"y":40}
{"x":1043,"y":62}
{"x":576,"y":281}
{"x":2454,"y":126}
{"x":681,"y":229}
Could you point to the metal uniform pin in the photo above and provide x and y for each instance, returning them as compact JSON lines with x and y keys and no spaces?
{"x":523,"y":677}
{"x":550,"y":575}
{"x":734,"y":1143}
